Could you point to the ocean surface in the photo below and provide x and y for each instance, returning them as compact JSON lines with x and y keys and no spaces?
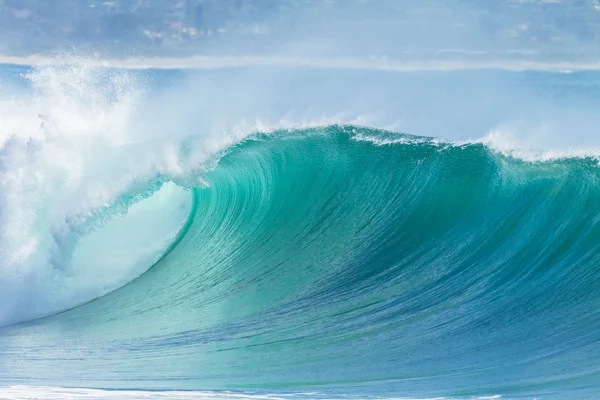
{"x":298,"y":234}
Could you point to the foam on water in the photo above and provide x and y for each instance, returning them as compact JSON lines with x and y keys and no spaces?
{"x":508,"y":143}
{"x":51,"y":393}
{"x":70,"y":161}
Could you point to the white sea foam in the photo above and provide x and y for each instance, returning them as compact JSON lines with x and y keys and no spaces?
{"x":509,"y":143}
{"x":68,"y":151}
{"x":51,"y":393}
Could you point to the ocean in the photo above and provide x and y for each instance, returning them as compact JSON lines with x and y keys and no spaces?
{"x":298,"y":233}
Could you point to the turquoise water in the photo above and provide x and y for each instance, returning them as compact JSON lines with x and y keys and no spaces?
{"x":338,"y":260}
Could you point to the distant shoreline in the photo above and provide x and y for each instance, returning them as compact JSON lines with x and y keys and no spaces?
{"x":219,"y":62}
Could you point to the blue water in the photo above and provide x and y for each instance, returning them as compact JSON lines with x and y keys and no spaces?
{"x":278,"y":234}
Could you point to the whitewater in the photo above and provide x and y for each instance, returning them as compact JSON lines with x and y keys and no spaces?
{"x":275,"y":233}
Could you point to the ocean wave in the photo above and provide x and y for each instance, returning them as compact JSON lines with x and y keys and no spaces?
{"x":319,"y":257}
{"x":319,"y":253}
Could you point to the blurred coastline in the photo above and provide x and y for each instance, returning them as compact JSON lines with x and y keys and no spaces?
{"x":382,"y":34}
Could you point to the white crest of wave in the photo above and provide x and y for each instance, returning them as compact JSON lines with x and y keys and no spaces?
{"x":534,"y":146}
{"x":70,"y":149}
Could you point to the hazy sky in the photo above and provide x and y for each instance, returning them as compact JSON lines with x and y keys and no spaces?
{"x":566,"y":30}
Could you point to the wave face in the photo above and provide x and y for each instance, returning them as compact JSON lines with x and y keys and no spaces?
{"x":338,"y":257}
